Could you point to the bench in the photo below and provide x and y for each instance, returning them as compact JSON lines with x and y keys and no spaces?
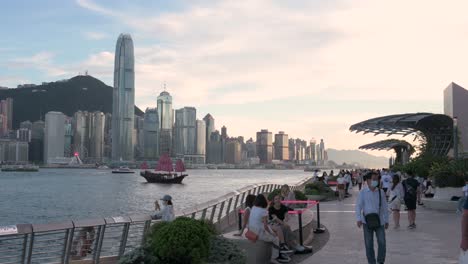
{"x":260,"y":252}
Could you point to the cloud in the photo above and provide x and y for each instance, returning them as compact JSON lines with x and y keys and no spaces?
{"x":42,"y":61}
{"x":224,"y":52}
{"x":95,"y":35}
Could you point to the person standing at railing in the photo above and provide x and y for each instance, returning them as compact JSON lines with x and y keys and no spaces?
{"x":167,"y":212}
{"x":249,"y":202}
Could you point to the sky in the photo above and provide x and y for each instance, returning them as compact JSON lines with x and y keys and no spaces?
{"x":307,"y":67}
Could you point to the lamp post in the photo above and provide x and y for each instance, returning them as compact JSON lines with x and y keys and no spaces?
{"x":455,"y":137}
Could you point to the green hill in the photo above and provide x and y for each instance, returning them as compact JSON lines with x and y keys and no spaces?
{"x":81,"y":92}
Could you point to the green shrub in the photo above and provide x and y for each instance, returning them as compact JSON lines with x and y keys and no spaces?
{"x":224,"y":251}
{"x":184,"y":240}
{"x":139,"y":256}
{"x":448,"y":174}
{"x":312,"y":192}
{"x":273,"y":193}
{"x":300,"y":196}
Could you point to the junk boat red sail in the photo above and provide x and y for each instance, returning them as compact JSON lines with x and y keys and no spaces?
{"x":164,"y":172}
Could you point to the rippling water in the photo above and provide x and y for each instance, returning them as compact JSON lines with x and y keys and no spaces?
{"x":54,"y":195}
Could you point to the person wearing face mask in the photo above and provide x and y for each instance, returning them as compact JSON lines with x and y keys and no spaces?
{"x":372,"y":216}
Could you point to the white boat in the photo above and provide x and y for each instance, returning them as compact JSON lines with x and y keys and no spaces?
{"x":123,"y":170}
{"x":102,"y":167}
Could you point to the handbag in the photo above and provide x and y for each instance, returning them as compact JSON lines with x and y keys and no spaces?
{"x":373,"y":219}
{"x":251,"y":236}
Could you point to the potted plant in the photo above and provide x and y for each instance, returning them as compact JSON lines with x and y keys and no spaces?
{"x":318,"y":191}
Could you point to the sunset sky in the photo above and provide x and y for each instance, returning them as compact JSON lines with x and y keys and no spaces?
{"x":311,"y":68}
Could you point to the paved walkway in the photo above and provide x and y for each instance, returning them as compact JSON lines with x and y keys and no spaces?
{"x":434,"y":241}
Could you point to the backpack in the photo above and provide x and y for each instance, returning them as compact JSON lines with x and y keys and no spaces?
{"x":410,"y":192}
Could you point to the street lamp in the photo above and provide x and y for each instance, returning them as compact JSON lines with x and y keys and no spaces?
{"x":455,"y":137}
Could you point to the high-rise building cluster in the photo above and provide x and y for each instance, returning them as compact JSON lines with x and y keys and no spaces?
{"x":96,"y":137}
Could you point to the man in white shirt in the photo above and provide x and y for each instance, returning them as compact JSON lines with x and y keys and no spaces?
{"x":371,"y":200}
{"x":387,"y":180}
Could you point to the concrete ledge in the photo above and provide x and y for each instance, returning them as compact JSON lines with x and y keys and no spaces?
{"x":437,"y":204}
{"x":260,"y":252}
{"x":103,"y":260}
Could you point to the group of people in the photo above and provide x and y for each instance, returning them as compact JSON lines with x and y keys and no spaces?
{"x":269,"y":222}
{"x":385,"y":192}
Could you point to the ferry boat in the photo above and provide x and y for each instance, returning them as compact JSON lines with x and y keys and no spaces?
{"x":164,"y":172}
{"x":123,"y":170}
{"x":23,"y":168}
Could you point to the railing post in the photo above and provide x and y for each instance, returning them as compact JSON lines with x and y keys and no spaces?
{"x":213,"y":212}
{"x":124,"y":239}
{"x":193,"y":215}
{"x":31,"y":244}
{"x":240,"y":219}
{"x":228,"y":212}
{"x":101,"y":230}
{"x":237,"y":200}
{"x":23,"y":253}
{"x":221,"y":211}
{"x":204,"y":214}
{"x":66,"y":244}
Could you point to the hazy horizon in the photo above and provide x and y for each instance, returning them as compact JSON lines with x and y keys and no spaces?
{"x":310,"y":69}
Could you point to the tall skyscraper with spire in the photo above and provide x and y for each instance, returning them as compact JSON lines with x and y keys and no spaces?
{"x":123,"y":99}
{"x":166,"y":122}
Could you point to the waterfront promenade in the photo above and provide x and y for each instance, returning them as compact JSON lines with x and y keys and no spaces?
{"x":435,"y":240}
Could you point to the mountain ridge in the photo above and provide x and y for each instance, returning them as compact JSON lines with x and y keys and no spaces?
{"x":357,"y":156}
{"x":82,"y":92}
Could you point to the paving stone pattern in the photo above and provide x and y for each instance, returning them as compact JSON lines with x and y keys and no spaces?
{"x":435,"y":240}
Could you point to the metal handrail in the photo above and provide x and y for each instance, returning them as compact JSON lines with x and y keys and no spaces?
{"x":111,"y":237}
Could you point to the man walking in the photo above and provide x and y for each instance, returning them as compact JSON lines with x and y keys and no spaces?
{"x":410,"y":186}
{"x":372,"y":215}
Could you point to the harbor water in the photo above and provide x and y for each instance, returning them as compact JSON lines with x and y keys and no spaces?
{"x":56,"y":195}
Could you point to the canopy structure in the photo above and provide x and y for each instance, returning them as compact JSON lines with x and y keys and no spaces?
{"x":402,"y":148}
{"x":435,"y":129}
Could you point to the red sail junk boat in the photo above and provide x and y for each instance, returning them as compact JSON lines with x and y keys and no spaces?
{"x":164,"y":172}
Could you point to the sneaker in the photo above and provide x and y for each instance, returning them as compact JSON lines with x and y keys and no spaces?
{"x":283,"y":259}
{"x":285,"y":250}
{"x":412,"y":226}
{"x":299,"y":248}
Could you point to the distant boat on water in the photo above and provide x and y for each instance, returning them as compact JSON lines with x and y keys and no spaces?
{"x":24,"y":168}
{"x":123,"y":170}
{"x":164,"y":172}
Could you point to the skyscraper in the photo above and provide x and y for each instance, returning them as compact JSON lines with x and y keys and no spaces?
{"x":281,"y":146}
{"x":151,"y":133}
{"x":165,"y":115}
{"x":80,"y":136}
{"x":201,"y":137}
{"x":322,"y":152}
{"x":312,"y":150}
{"x":97,"y":135}
{"x":233,"y":152}
{"x":54,"y":136}
{"x":210,"y":128}
{"x":224,"y":132}
{"x":456,"y":105}
{"x":264,"y":146}
{"x":185,"y":131}
{"x":123,"y":99}
{"x":36,"y":147}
